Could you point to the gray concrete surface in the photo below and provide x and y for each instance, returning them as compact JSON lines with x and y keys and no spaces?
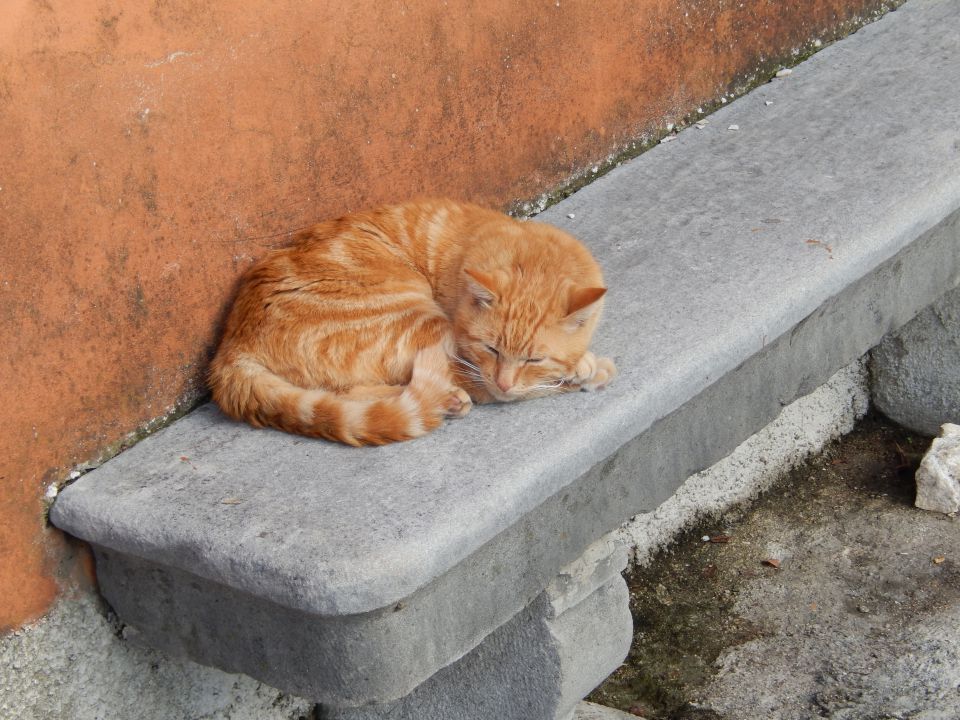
{"x":916,"y":370}
{"x":860,"y":620}
{"x":539,"y":664}
{"x":745,"y":268}
{"x":803,"y":428}
{"x":73,"y":665}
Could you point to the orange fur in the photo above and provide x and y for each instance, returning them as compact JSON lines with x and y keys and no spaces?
{"x":372,"y":328}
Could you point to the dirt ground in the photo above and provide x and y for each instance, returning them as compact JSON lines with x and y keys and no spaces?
{"x":832,"y":596}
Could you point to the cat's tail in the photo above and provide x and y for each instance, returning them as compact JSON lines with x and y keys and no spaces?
{"x":246,"y":390}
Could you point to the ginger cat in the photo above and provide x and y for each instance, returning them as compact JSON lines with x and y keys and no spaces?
{"x":372,"y":328}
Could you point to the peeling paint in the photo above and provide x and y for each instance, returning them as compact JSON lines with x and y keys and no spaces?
{"x":169,"y":58}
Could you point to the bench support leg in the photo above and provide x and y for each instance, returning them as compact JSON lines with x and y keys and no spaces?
{"x":916,"y":370}
{"x":540,"y":664}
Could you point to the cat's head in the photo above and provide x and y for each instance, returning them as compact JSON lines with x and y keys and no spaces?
{"x":526,"y":315}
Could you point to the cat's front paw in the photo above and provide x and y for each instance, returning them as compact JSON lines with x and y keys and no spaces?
{"x":457,"y":404}
{"x":594,"y":373}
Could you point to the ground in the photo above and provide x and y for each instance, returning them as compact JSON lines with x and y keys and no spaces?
{"x":832,"y":596}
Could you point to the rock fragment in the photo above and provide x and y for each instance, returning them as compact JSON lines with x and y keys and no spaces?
{"x":938,"y":477}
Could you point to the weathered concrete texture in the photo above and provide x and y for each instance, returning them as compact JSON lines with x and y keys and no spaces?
{"x":804,"y":428}
{"x":72,"y":665}
{"x":858,"y":622}
{"x":916,"y":370}
{"x":540,"y":664}
{"x":592,"y":711}
{"x":149,"y":151}
{"x":861,"y":621}
{"x":732,"y":293}
{"x":938,"y":478}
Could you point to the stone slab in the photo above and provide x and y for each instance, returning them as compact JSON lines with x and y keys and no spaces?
{"x":745,"y":267}
{"x":804,"y":428}
{"x":916,"y":370}
{"x":538,"y":665}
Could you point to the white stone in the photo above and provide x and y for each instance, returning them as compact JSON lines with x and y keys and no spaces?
{"x":938,"y":478}
{"x":784,"y":72}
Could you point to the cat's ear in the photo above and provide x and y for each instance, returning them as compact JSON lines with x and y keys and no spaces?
{"x":581,"y":305}
{"x":481,"y":286}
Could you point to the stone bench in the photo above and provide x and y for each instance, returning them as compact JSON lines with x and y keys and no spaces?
{"x":467,"y":574}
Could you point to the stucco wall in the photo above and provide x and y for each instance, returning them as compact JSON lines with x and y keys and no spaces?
{"x":150,"y":150}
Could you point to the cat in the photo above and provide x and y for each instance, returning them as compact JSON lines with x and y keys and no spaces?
{"x":374,"y":327}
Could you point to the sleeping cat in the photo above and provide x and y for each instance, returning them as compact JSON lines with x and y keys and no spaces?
{"x":372,"y":328}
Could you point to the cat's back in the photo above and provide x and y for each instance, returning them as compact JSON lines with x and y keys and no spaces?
{"x":365,"y":259}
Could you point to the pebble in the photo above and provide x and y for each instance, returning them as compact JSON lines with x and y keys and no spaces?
{"x":668,"y":138}
{"x":733,"y":127}
{"x":784,"y":72}
{"x":571,"y":215}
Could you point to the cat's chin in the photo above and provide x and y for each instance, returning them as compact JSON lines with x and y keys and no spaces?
{"x":500,"y":396}
{"x":521,"y":394}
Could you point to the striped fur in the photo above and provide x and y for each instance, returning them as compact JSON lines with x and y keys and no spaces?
{"x":374,"y":327}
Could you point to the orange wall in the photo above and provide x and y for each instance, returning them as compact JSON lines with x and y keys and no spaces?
{"x":149,"y":150}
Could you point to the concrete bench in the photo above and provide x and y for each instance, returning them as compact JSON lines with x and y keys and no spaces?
{"x":467,"y":574}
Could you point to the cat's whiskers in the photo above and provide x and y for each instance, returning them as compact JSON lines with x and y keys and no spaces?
{"x":470,"y":373}
{"x":470,"y":377}
{"x":558,"y":383}
{"x":466,"y":363}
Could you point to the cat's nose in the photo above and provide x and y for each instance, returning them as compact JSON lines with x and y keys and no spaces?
{"x":506,"y":375}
